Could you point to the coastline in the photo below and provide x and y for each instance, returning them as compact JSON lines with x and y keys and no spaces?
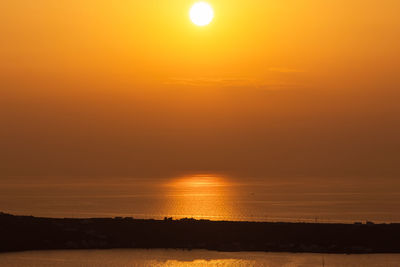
{"x":23,"y":233}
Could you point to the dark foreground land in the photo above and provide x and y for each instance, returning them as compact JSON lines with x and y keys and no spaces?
{"x":19,"y":233}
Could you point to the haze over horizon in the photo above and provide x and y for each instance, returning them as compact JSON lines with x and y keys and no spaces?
{"x":133,"y":88}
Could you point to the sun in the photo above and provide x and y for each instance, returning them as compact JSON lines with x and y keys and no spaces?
{"x":201,"y":13}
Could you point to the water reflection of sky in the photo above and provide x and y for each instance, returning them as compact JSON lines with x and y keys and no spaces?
{"x":212,"y":196}
{"x":177,"y":258}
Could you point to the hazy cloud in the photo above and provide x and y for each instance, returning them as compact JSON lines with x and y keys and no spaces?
{"x":285,"y":70}
{"x":232,"y":82}
{"x":212,"y":81}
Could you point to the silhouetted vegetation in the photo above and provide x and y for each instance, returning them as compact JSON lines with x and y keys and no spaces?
{"x":19,"y":233}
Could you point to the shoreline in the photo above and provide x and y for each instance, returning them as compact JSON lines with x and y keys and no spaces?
{"x":27,"y":233}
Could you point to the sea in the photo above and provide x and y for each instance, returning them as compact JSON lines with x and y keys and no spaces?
{"x":205,"y":196}
{"x":201,"y":196}
{"x":197,"y":258}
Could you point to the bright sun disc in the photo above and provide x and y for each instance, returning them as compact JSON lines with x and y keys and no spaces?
{"x":201,"y":14}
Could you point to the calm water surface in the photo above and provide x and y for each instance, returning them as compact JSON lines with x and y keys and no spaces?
{"x":204,"y":196}
{"x":120,"y":258}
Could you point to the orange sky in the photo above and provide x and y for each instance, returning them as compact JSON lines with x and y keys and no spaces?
{"x":269,"y":88}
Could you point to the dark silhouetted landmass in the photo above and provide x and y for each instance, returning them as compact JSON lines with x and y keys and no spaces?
{"x":18,"y":233}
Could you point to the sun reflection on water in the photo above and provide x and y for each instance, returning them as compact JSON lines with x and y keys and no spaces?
{"x":199,"y":180}
{"x":204,"y":196}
